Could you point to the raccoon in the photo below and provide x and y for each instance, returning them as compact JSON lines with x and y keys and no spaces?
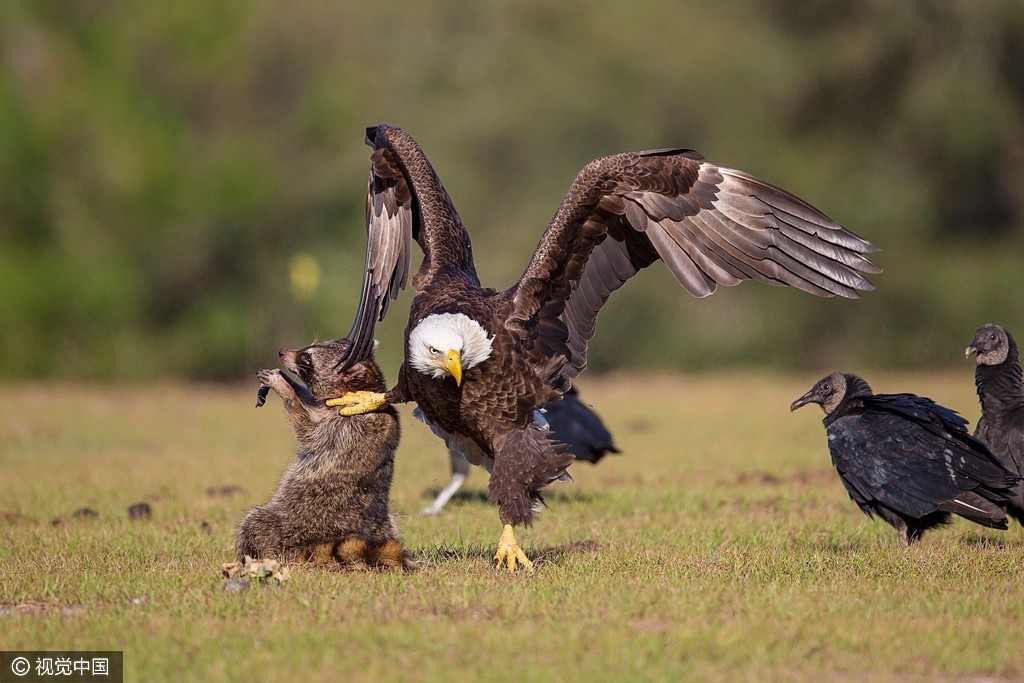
{"x":332,"y":502}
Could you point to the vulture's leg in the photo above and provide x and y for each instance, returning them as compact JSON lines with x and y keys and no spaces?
{"x":460,"y":472}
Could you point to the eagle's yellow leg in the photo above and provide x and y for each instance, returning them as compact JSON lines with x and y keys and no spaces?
{"x":509,"y":551}
{"x":358,"y":402}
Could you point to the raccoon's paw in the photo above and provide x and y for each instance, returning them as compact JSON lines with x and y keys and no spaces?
{"x":273,"y":379}
{"x":269,"y":377}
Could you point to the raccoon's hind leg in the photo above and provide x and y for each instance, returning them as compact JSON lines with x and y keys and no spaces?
{"x":259,"y":535}
{"x":391,"y":554}
{"x":357,"y":553}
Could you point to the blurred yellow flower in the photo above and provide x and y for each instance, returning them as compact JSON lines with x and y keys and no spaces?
{"x":304,"y":270}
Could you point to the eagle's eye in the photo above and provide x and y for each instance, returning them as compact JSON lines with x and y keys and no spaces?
{"x":432,"y":351}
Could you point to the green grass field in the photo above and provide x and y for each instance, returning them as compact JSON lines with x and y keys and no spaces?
{"x":719,"y":546}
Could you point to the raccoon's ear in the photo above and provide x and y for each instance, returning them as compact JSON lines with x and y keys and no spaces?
{"x":373,"y":351}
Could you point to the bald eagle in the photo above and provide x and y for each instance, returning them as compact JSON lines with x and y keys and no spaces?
{"x":479,"y":361}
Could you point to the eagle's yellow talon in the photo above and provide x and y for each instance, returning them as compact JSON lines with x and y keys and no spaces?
{"x":358,"y":402}
{"x":509,"y":551}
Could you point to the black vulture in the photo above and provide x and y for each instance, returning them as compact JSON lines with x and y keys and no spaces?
{"x":570,"y":421}
{"x":1001,"y":392}
{"x":907,"y":459}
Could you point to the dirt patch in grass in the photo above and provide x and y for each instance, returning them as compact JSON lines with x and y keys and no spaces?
{"x":816,"y":476}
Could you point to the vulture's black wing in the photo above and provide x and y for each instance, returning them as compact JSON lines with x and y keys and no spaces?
{"x":1015,"y":451}
{"x":401,"y":187}
{"x":912,"y":455}
{"x":710,"y":225}
{"x":1006,"y":440}
{"x":1015,"y":445}
{"x":577,"y":426}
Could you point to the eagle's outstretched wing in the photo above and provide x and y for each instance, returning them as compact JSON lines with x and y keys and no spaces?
{"x":401,"y":181}
{"x":710,"y":225}
{"x":389,"y":217}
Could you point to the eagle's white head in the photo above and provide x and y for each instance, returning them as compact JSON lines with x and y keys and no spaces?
{"x":448,"y":343}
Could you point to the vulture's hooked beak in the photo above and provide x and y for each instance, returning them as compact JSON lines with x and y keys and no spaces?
{"x":453,"y":364}
{"x":969,"y":350}
{"x":809,"y":397}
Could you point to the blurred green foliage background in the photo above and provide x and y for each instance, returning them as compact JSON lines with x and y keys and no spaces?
{"x":182,"y":184}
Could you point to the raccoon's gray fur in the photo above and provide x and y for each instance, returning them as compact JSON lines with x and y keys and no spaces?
{"x":332,"y":501}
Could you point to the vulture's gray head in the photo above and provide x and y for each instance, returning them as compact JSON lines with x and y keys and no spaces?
{"x":991,"y":344}
{"x":829,"y":392}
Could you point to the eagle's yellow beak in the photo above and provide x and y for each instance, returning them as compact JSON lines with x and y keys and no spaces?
{"x":453,"y":364}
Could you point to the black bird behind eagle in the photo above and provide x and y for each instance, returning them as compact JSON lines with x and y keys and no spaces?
{"x":571,"y":423}
{"x":907,"y":459}
{"x":1001,"y":392}
{"x":479,"y":361}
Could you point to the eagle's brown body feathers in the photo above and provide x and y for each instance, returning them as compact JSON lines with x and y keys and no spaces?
{"x":493,"y":415}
